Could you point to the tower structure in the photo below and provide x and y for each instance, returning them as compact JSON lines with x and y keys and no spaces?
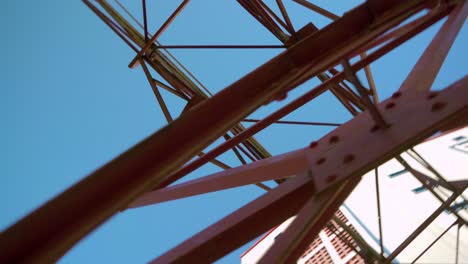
{"x":313,"y":181}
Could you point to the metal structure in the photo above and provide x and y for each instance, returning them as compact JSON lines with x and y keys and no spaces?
{"x":313,"y":181}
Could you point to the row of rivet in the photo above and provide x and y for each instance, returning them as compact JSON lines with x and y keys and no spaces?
{"x":350,"y":157}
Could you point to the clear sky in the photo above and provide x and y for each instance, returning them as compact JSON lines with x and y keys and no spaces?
{"x":69,"y":104}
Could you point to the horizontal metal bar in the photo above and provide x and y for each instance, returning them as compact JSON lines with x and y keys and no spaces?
{"x":220,"y":47}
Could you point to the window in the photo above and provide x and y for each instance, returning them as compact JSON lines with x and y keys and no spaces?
{"x":461,"y":146}
{"x":419,"y":189}
{"x":398,"y":173}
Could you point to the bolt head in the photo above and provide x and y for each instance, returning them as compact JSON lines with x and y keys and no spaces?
{"x":437,"y":106}
{"x":432,"y":95}
{"x":334,"y":139}
{"x":331,"y":178}
{"x":348,"y":158}
{"x":320,"y":161}
{"x":390,"y":105}
{"x":374,"y":128}
{"x":396,"y":95}
{"x":313,"y":144}
{"x":281,"y":96}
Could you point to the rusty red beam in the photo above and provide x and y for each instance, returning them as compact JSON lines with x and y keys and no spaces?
{"x":423,"y":75}
{"x":435,"y":13}
{"x":145,"y":20}
{"x":351,"y":76}
{"x":272,"y":14}
{"x":257,"y":10}
{"x":435,"y":241}
{"x":285,"y":15}
{"x":239,"y":227}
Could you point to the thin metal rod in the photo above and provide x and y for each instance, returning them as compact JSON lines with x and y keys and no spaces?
{"x":370,"y":80}
{"x":344,"y":101}
{"x":268,"y":22}
{"x":374,"y":112}
{"x":285,"y":16}
{"x":379,"y":216}
{"x":171,"y":90}
{"x":433,"y":242}
{"x":295,"y":122}
{"x":272,"y":14}
{"x":238,"y":155}
{"x":216,"y":162}
{"x":156,"y":92}
{"x":344,"y":94}
{"x":421,"y":228}
{"x":458,"y":243}
{"x":159,"y":32}
{"x":220,"y":47}
{"x":246,"y":153}
{"x":249,"y":145}
{"x":145,"y":22}
{"x":317,"y":9}
{"x":133,"y":17}
{"x":111,"y":24}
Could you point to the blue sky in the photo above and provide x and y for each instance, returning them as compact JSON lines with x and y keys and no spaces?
{"x":69,"y":104}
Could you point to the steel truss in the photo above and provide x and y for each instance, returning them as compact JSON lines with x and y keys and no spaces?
{"x":313,"y":181}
